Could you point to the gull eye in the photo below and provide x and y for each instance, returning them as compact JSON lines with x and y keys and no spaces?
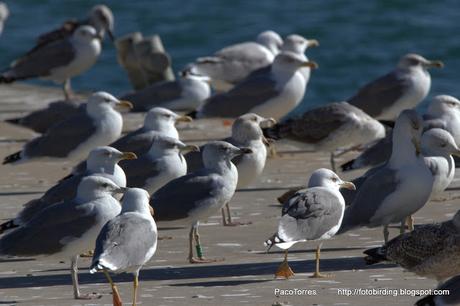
{"x":334,"y":179}
{"x":105,"y":185}
{"x":443,"y":145}
{"x":107,"y":100}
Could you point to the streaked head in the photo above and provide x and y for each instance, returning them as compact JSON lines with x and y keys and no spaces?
{"x":93,"y":187}
{"x":442,"y":104}
{"x":413,"y":60}
{"x":136,"y":200}
{"x":101,"y":18}
{"x":105,"y":156}
{"x":289,"y":61}
{"x":248,"y":127}
{"x":439,"y":142}
{"x":271,"y":40}
{"x":103,"y":101}
{"x":163,"y":120}
{"x":298,"y":44}
{"x":215,"y":152}
{"x":163,"y":144}
{"x":327,"y":178}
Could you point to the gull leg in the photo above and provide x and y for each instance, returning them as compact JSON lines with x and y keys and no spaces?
{"x":135,"y":286}
{"x":402,"y":227}
{"x":199,"y":251}
{"x":224,"y":218}
{"x":284,"y":270}
{"x":229,"y":221}
{"x":76,"y":287}
{"x":318,"y":274}
{"x":115,"y":293}
{"x":410,"y":223}
{"x":332,"y":160}
{"x":386,"y":233}
{"x":272,"y":152}
{"x":67,"y":90}
{"x":190,"y":251}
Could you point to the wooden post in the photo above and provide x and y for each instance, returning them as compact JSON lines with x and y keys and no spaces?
{"x":127,"y":58}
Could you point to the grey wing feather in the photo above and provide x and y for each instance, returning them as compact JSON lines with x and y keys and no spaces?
{"x":62,"y":138}
{"x":178,"y":198}
{"x":138,"y":171}
{"x":64,"y":31}
{"x":124,"y":242}
{"x":154,"y":95}
{"x":138,"y":141}
{"x":47,"y":232}
{"x":380,"y":94}
{"x":246,"y":95}
{"x":194,"y":160}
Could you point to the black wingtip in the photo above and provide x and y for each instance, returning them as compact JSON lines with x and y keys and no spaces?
{"x":348,"y":166}
{"x":12,"y":158}
{"x":5,"y":79}
{"x":388,"y":123}
{"x":374,"y":256}
{"x":16,"y":121}
{"x":193,"y":114}
{"x":426,"y":301}
{"x":7,"y":226}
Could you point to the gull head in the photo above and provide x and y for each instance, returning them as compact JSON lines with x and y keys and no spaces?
{"x":290,"y":61}
{"x":409,"y":123}
{"x":163,"y":120}
{"x":443,"y":104}
{"x":298,"y":44}
{"x":271,"y":40}
{"x":85,"y":34}
{"x":248,"y":127}
{"x":439,"y":142}
{"x":94,"y":186}
{"x":101,"y":18}
{"x":106,"y":157}
{"x":327,"y":178}
{"x":103,"y":101}
{"x":163,"y":144}
{"x":413,"y":60}
{"x":215,"y":152}
{"x":191,"y":75}
{"x":136,"y":200}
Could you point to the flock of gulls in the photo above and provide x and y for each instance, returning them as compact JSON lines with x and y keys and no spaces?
{"x":122,"y":185}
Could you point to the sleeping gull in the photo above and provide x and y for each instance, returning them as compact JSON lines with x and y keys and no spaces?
{"x":59,"y":60}
{"x":310,"y":214}
{"x":102,"y":161}
{"x":66,"y":230}
{"x":328,"y":128}
{"x":271,"y":94}
{"x":403,"y":88}
{"x":128,"y":241}
{"x":247,"y":133}
{"x":232,"y":64}
{"x":451,"y":299}
{"x":73,"y":138}
{"x":198,"y":195}
{"x":399,"y":188}
{"x":185,"y":94}
{"x":4,"y":13}
{"x":430,"y":250}
{"x":161,"y":164}
{"x":443,"y":112}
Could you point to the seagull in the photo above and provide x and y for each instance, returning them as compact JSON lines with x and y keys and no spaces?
{"x":67,"y":229}
{"x":196,"y":196}
{"x":185,"y":94}
{"x":100,"y":17}
{"x":310,"y":214}
{"x":297,"y":44}
{"x":399,"y":188}
{"x":247,"y":133}
{"x":403,"y":88}
{"x":79,"y":134}
{"x":128,"y":241}
{"x":328,"y":128}
{"x":59,"y":60}
{"x":102,"y":161}
{"x":232,"y":64}
{"x":430,"y":250}
{"x":443,"y":112}
{"x":450,"y":299}
{"x":161,"y":164}
{"x":271,"y":94}
{"x":4,"y":14}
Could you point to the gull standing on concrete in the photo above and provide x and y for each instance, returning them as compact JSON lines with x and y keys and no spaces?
{"x":198,"y":195}
{"x":430,"y":250}
{"x":4,"y":14}
{"x":161,"y":164}
{"x":102,"y":161}
{"x":310,"y":214}
{"x":399,"y":188}
{"x":247,"y":133}
{"x":128,"y":241}
{"x":403,"y":88}
{"x":59,"y":60}
{"x":75,"y":137}
{"x":65,"y":230}
{"x":232,"y":64}
{"x":187,"y":93}
{"x":272,"y":94}
{"x":330,"y":128}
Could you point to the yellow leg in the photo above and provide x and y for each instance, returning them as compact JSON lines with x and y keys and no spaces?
{"x":116,"y":295}
{"x":284,"y":270}
{"x":135,"y":286}
{"x":410,"y":223}
{"x":318,"y":274}
{"x":386,"y":233}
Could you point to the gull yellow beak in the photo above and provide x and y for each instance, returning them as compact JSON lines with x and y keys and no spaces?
{"x":128,"y":155}
{"x":348,"y":185}
{"x":267,"y":122}
{"x":189,"y":148}
{"x":124,"y":105}
{"x":184,"y":119}
{"x":435,"y":64}
{"x":311,"y":64}
{"x":417,"y":146}
{"x":312,"y":43}
{"x":456,"y":152}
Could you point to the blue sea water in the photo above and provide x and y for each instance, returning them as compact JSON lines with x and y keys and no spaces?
{"x":360,"y":40}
